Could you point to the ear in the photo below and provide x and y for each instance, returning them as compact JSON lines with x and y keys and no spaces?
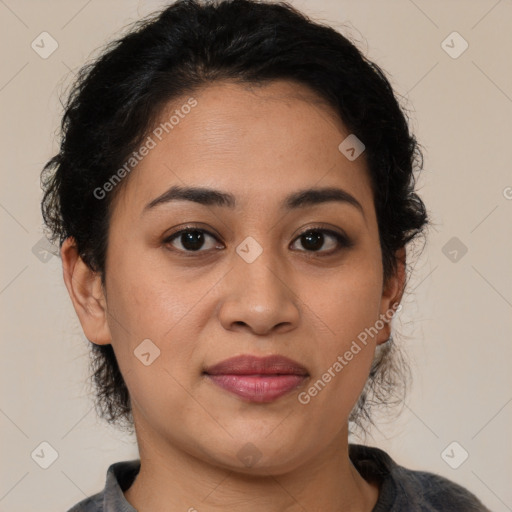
{"x":86,"y":292}
{"x":391,"y":296}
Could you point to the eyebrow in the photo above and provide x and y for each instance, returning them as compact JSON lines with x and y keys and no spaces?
{"x":212,"y":197}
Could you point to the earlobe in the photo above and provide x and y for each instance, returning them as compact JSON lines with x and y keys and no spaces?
{"x":86,"y":293}
{"x":392,"y":296}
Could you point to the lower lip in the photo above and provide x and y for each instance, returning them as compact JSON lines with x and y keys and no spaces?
{"x":258,"y":388}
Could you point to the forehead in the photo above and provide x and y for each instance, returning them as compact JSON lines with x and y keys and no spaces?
{"x":258,"y":142}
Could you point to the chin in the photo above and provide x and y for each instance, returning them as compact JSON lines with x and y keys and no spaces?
{"x":259,"y":456}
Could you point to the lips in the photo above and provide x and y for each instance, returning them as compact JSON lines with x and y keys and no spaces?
{"x":257,"y":379}
{"x":252,"y":365}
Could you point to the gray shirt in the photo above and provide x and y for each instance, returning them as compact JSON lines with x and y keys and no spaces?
{"x":401,"y":489}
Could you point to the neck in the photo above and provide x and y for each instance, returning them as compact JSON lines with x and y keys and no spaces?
{"x":170,"y":479}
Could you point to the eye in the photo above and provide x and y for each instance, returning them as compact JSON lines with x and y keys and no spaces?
{"x":314,"y":239}
{"x":191,"y":240}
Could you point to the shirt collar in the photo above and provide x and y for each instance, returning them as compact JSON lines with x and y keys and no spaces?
{"x":120,"y":476}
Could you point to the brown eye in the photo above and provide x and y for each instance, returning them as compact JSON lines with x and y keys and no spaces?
{"x":191,"y":240}
{"x":313,"y":240}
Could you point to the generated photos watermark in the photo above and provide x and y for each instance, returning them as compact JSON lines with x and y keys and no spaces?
{"x":342,"y":360}
{"x":149,"y":144}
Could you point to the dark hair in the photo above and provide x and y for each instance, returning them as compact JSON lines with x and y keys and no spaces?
{"x":118,"y":97}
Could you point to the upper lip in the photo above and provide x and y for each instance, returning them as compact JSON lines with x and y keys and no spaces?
{"x":253,"y":365}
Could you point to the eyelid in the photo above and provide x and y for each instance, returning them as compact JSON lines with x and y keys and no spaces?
{"x":324,"y":228}
{"x":344,"y":241}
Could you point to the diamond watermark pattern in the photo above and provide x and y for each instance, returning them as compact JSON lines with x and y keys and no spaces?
{"x":249,"y":455}
{"x":454,"y":45}
{"x":351,"y":147}
{"x":454,"y":249}
{"x":44,"y":455}
{"x":146,"y":352}
{"x":43,"y":250}
{"x":44,"y":45}
{"x":454,"y":455}
{"x":249,"y":249}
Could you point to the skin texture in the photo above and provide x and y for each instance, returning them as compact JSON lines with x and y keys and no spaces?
{"x":260,"y":144}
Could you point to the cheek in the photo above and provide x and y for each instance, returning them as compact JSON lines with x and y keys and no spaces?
{"x":343,"y":358}
{"x":344,"y":309}
{"x":144,"y":298}
{"x":155,"y":346}
{"x":148,"y":314}
{"x":149,"y":318}
{"x":345,"y":304}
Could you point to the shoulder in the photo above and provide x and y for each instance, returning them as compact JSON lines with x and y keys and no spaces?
{"x":120,"y":476}
{"x":435,"y":492}
{"x":90,"y":504}
{"x":403,"y":489}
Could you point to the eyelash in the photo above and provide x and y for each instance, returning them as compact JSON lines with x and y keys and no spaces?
{"x":343,"y":241}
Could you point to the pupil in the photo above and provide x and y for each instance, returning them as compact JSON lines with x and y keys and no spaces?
{"x":316,"y":239}
{"x":192,"y":240}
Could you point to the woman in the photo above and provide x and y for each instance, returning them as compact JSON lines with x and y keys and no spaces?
{"x":233,"y":198}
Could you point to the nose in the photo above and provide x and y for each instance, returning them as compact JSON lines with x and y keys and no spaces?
{"x":259,"y":297}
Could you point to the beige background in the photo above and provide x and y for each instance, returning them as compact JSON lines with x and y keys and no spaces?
{"x":456,"y":318}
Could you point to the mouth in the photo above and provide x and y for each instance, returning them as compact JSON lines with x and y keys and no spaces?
{"x":257,"y":379}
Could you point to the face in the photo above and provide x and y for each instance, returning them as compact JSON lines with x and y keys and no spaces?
{"x":257,"y":274}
